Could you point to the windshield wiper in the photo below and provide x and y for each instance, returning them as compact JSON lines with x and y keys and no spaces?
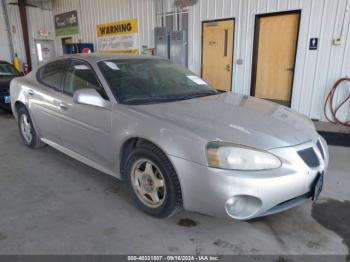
{"x":203,"y":94}
{"x":170,"y":98}
{"x":146,"y":100}
{"x":194,"y":95}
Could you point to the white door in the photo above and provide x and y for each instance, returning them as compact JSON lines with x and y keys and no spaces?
{"x":44,"y":51}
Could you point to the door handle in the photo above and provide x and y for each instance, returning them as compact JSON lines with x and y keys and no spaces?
{"x":290,"y":69}
{"x":228,"y":67}
{"x":30,"y":92}
{"x":63,"y":105}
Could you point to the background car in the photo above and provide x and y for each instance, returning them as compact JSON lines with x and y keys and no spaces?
{"x":7,"y":73}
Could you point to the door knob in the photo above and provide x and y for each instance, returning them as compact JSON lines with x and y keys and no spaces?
{"x":290,"y":69}
{"x":228,"y":67}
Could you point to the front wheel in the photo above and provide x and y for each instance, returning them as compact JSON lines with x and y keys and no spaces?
{"x":152,"y":181}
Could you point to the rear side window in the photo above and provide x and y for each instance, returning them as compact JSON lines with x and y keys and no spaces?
{"x":52,"y":74}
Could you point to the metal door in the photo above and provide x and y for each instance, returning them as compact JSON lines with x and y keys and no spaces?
{"x":276,"y":46}
{"x":218,"y":53}
{"x":45,"y":50}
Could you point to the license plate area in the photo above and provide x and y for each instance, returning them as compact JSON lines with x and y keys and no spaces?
{"x":317,"y":186}
{"x":7,"y":99}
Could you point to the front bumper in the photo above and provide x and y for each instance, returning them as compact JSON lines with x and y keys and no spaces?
{"x":206,"y":190}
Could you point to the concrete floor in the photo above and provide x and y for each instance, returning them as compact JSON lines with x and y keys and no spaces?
{"x":51,"y":204}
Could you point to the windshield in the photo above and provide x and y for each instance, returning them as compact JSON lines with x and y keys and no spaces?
{"x":8,"y":70}
{"x":139,"y":81}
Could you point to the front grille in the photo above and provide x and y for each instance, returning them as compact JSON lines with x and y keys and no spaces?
{"x":309,"y":156}
{"x":319,"y":146}
{"x":288,"y":204}
{"x":305,"y":196}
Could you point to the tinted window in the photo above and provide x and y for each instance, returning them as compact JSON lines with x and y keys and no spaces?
{"x":153,"y":80}
{"x":8,"y":70}
{"x":52,"y":74}
{"x":81,"y":76}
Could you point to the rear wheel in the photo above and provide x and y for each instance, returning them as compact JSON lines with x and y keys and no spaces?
{"x":152,"y":181}
{"x":27,"y":130}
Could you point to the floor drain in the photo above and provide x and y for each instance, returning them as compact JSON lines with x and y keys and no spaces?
{"x":186,"y":222}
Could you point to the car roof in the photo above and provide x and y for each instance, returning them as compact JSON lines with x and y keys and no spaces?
{"x":4,"y":62}
{"x":96,"y":57}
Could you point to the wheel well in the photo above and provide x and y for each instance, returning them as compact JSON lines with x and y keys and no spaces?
{"x":128,"y":147}
{"x":18,"y":105}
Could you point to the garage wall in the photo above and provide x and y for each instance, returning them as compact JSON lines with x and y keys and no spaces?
{"x":315,"y":71}
{"x":92,"y":12}
{"x":5,"y":49}
{"x":16,"y":31}
{"x":39,"y":15}
{"x":40,"y":20}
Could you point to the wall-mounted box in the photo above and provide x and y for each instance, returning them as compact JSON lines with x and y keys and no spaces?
{"x":179,"y":48}
{"x":161,"y":42}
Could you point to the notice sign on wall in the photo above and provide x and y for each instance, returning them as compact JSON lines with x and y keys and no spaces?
{"x":67,"y":24}
{"x":118,"y":37}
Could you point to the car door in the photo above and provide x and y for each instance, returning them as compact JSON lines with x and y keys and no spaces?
{"x":85,"y":129}
{"x":44,"y":100}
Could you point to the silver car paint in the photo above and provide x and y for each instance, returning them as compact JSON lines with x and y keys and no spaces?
{"x":182,"y":130}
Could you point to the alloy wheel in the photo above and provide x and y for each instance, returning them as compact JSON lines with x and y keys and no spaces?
{"x":26,"y":129}
{"x":148,"y":183}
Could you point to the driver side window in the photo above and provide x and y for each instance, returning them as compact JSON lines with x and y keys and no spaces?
{"x":81,"y":76}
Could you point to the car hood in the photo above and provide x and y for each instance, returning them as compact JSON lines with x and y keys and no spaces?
{"x":238,"y":119}
{"x":5,"y":82}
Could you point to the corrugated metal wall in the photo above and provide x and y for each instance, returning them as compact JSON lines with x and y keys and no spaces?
{"x":92,"y":12}
{"x":5,"y":51}
{"x":315,"y":71}
{"x":39,"y":17}
{"x":16,"y":31}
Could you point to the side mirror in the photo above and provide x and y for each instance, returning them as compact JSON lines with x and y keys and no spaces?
{"x":89,"y":97}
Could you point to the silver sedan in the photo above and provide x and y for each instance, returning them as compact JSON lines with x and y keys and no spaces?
{"x":175,"y":141}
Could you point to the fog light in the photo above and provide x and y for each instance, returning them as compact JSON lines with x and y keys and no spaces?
{"x":242,"y":207}
{"x":235,"y":205}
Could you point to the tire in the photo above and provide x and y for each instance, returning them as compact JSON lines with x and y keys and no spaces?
{"x":142,"y":191}
{"x":30,"y":137}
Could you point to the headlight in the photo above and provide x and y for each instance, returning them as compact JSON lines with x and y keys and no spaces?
{"x":236,"y":157}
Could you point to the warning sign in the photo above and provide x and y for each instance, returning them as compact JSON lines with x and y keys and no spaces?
{"x":118,"y":37}
{"x":117,"y":28}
